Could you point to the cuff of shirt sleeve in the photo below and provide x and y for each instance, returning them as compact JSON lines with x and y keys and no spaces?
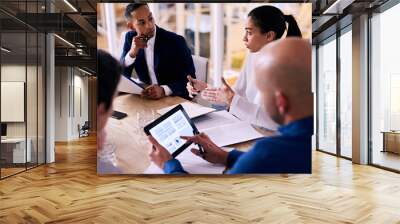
{"x":234,"y":103}
{"x":173,"y":166}
{"x":129,"y":60}
{"x":233,"y":156}
{"x":167,"y":90}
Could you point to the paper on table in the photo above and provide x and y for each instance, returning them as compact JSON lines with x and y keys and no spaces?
{"x":192,"y":109}
{"x":191,"y":164}
{"x":128,"y":86}
{"x":232,"y":133}
{"x":214,"y":119}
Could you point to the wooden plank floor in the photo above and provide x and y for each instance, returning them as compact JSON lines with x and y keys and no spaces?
{"x":70,"y":191}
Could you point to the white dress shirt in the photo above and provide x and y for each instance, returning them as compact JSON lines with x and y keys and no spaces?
{"x":149,"y":55}
{"x":246,"y":103}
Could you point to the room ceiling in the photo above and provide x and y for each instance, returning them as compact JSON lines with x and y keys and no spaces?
{"x":76,"y":27}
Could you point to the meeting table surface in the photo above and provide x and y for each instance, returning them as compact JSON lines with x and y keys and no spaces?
{"x":128,"y":138}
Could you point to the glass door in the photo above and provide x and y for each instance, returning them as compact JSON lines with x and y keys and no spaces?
{"x":385,"y":90}
{"x":345,"y":93}
{"x":326,"y":59}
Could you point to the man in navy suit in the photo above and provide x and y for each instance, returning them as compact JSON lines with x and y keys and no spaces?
{"x":161,"y":58}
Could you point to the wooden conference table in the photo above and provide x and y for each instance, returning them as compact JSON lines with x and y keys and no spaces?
{"x":127,"y":135}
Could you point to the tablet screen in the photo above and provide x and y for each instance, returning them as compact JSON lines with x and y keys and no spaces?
{"x":169,"y":131}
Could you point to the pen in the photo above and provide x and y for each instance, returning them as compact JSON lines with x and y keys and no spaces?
{"x":202,"y":152}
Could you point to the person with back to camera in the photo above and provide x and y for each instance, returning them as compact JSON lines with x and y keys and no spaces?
{"x":283,"y":78}
{"x":108,"y":75}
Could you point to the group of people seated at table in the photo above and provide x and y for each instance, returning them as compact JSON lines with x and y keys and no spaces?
{"x":273,"y":89}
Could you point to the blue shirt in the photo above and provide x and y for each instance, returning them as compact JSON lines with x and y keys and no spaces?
{"x":288,"y":152}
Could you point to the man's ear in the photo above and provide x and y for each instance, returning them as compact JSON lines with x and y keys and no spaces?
{"x":282,"y":102}
{"x":130,"y":26}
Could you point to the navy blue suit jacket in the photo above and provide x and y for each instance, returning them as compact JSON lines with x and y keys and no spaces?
{"x":172,"y":61}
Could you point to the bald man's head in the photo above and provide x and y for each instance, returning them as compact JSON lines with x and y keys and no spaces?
{"x":283,"y":76}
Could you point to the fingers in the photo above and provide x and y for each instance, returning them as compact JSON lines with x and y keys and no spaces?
{"x":199,"y":154}
{"x":147,"y":89}
{"x":203,"y":135}
{"x":192,"y":83}
{"x":210,"y":94}
{"x":152,"y":86}
{"x":152,"y":151}
{"x":189,"y":138}
{"x":146,"y":93}
{"x":196,"y":152}
{"x":138,"y":40}
{"x":198,"y":139}
{"x":151,"y":92}
{"x":194,"y":139}
{"x":191,"y":90}
{"x":189,"y":86}
{"x":153,"y":141}
{"x":192,"y":80}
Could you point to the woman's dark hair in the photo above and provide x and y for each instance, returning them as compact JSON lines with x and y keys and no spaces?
{"x":269,"y":18}
{"x":108,"y":75}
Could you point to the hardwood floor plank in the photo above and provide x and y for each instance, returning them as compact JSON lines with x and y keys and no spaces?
{"x":70,"y":191}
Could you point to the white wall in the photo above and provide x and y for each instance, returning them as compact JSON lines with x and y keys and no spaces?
{"x":70,"y":83}
{"x":16,"y":73}
{"x":33,"y":126}
{"x":61,"y":103}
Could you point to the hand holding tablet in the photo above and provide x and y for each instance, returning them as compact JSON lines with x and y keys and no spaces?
{"x":169,"y":128}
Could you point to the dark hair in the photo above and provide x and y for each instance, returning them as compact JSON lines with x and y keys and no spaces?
{"x":132,"y":7}
{"x":108,"y":75}
{"x":269,"y":18}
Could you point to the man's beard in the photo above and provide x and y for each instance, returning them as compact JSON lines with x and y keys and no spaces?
{"x":276,"y":116}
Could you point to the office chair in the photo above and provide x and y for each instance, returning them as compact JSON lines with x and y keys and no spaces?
{"x":84,"y":130}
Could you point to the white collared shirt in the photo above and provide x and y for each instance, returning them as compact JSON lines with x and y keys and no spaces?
{"x":149,"y":55}
{"x":247,"y":103}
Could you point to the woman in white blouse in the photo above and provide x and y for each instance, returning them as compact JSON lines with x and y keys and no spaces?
{"x":264,"y":24}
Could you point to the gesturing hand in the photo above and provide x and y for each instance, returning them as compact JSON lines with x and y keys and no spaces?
{"x":194,"y":86}
{"x":223,"y":94}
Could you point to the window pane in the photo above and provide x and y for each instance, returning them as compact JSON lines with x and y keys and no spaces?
{"x":41,"y":98}
{"x":385,"y":84}
{"x":31,"y":98}
{"x":345,"y":94}
{"x":13,"y":86}
{"x":327,"y":96}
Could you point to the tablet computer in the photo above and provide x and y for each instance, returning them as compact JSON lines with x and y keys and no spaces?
{"x":168,"y":129}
